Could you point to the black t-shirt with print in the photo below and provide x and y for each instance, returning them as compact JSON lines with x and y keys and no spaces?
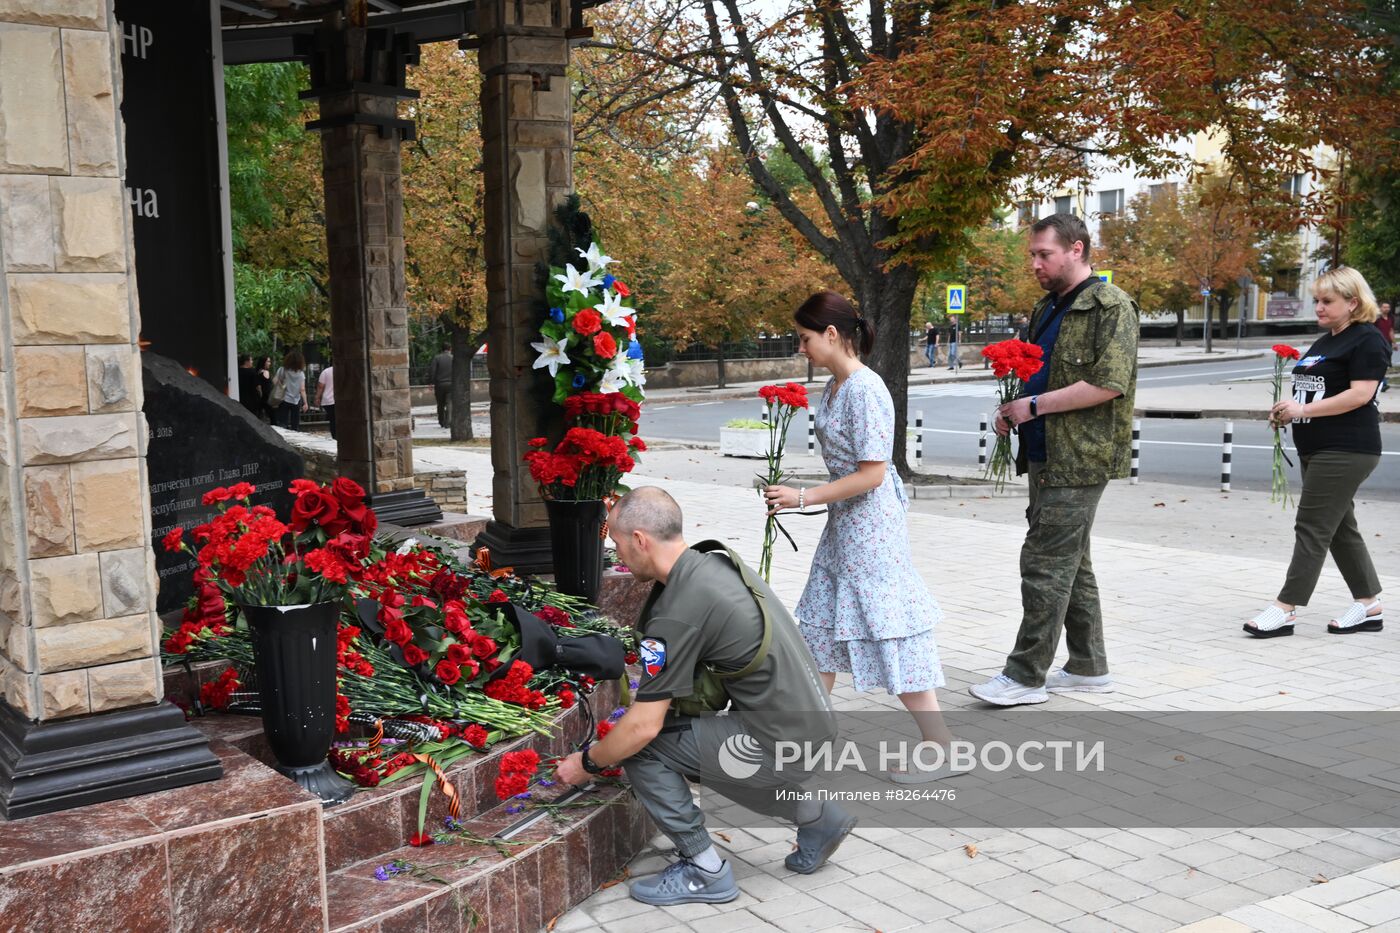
{"x":1328,"y":368}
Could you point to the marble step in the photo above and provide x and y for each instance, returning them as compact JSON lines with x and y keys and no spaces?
{"x":549,"y":866}
{"x":382,"y":819}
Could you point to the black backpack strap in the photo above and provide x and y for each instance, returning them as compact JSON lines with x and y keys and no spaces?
{"x":751,"y":584}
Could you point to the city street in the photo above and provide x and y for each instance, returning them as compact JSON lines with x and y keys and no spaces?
{"x":1184,"y":451}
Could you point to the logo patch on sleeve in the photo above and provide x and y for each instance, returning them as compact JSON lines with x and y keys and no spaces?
{"x":653,"y":656}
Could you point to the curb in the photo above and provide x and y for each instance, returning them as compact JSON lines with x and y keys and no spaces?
{"x":1228,"y":414}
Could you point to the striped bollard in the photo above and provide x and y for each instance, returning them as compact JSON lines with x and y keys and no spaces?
{"x":1226,"y":450}
{"x":982,"y":443}
{"x":1137,"y":447}
{"x":919,"y":438}
{"x":811,"y":433}
{"x":763,"y":413}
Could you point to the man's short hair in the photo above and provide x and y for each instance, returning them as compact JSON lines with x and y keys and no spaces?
{"x":1068,"y":228}
{"x":650,"y":509}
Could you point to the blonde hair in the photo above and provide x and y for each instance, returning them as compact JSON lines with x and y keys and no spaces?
{"x":1348,"y":284}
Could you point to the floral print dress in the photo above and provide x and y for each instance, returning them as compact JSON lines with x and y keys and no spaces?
{"x":865,"y":610}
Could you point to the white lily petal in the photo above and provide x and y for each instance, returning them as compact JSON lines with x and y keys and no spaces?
{"x":596,"y":260}
{"x":575,"y":281}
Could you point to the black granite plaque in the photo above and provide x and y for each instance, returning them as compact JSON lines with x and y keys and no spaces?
{"x":201,"y":439}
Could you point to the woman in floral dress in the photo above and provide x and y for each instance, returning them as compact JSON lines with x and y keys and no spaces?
{"x":865,"y":609}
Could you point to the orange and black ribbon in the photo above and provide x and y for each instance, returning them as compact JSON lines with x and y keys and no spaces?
{"x":454,"y":803}
{"x":483,"y":563}
{"x":376,"y":740}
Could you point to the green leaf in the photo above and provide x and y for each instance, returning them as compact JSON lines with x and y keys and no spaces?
{"x":429,"y":779}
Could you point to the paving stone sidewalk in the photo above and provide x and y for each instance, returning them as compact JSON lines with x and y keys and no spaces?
{"x":1174,"y":643}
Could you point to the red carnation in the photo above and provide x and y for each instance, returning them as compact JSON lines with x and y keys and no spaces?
{"x":1286,"y":352}
{"x":475,"y":736}
{"x":171,"y":542}
{"x":420,"y":839}
{"x":498,"y":596}
{"x":218,"y":494}
{"x":588,"y":322}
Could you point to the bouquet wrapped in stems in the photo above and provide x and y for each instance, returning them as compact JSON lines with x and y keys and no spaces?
{"x":1278,"y":489}
{"x":784,"y":402}
{"x":1014,"y":362}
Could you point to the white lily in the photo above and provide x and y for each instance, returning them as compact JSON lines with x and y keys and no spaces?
{"x":637,"y":372}
{"x":552,"y":354}
{"x":597,"y":262}
{"x":576,"y":281}
{"x":614,"y":380}
{"x":614,"y":314}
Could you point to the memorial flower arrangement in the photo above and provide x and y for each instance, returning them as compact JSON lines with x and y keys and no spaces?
{"x":424,"y":653}
{"x":257,"y":559}
{"x":1014,"y":362}
{"x":1278,"y":489}
{"x":783,"y":403}
{"x":589,"y":336}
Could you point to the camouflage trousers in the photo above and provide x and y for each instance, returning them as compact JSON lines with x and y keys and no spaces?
{"x":1058,"y":589}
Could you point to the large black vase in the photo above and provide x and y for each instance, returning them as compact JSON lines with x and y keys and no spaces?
{"x":576,"y":538}
{"x":295,"y":651}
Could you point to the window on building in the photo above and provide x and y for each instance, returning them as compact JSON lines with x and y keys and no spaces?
{"x":1293,"y":186}
{"x":1111,"y":202}
{"x":1064,"y":204}
{"x":1166,"y":189}
{"x":1025,"y":214}
{"x":1286,"y":281}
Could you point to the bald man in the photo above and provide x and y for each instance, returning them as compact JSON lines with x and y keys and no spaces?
{"x":708,"y":609}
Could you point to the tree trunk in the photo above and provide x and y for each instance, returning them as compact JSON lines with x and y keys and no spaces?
{"x":1209,"y":329}
{"x":464,"y":347}
{"x":887,"y":299}
{"x":1180,"y":325}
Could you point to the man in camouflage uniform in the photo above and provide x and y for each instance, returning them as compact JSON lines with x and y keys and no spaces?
{"x":1074,"y":420}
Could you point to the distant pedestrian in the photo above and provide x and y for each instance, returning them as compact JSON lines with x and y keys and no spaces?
{"x":289,"y":390}
{"x":1075,"y":423}
{"x":1337,"y":430}
{"x":250,"y":390}
{"x":325,"y":396}
{"x":847,"y":615}
{"x":931,"y":344}
{"x":1023,"y":325}
{"x":440,"y":375}
{"x":264,"y":368}
{"x":950,"y":337}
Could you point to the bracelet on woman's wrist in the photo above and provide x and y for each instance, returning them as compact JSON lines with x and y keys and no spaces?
{"x":801,"y":497}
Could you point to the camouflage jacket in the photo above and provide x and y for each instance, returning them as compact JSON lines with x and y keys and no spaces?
{"x":1097,"y":344}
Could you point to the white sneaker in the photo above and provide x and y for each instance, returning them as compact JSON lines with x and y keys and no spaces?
{"x":1003,"y":691}
{"x":1062,"y":681}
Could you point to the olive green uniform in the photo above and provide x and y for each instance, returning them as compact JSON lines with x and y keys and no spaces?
{"x":705,"y":615}
{"x":1097,"y":344}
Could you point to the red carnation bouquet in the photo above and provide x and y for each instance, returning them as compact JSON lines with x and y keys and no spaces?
{"x":1278,"y":490}
{"x":784,"y":402}
{"x":259,"y":560}
{"x":1014,"y":362}
{"x":598,"y":449}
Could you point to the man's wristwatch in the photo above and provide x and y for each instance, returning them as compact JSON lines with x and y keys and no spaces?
{"x":589,"y":765}
{"x":1034,"y":413}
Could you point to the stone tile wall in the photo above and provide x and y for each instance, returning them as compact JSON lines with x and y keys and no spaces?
{"x":77,"y":580}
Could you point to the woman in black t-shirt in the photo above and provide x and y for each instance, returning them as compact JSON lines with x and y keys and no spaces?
{"x":1336,"y":428}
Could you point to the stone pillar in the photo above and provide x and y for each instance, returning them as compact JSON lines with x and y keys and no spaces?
{"x":78,"y":629}
{"x":357,"y":75}
{"x":527,"y":151}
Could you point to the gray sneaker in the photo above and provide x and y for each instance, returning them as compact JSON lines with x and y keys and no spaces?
{"x":818,"y":839}
{"x":684,"y":882}
{"x":1003,"y":691}
{"x":1062,"y":681}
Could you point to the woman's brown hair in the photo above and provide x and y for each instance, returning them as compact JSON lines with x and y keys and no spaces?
{"x":828,"y":309}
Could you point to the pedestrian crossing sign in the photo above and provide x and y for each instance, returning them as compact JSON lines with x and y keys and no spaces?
{"x":1105,"y":276}
{"x":957,"y":299}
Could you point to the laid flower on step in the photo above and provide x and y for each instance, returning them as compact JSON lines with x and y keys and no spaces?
{"x":418,"y":840}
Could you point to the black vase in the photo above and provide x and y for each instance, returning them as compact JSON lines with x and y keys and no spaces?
{"x":576,"y":539}
{"x":294,"y":648}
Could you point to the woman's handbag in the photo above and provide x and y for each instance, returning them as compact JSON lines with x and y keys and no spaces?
{"x":279,"y":388}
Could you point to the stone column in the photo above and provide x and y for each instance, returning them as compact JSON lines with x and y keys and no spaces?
{"x":78,"y":629}
{"x":527,"y":151}
{"x":357,"y":76}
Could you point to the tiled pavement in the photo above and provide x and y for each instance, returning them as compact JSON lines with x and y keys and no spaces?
{"x":1174,"y":643}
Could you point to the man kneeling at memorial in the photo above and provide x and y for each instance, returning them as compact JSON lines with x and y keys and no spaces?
{"x":713,"y":633}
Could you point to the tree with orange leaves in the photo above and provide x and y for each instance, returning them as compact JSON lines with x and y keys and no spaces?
{"x":929,"y":117}
{"x":444,"y":225}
